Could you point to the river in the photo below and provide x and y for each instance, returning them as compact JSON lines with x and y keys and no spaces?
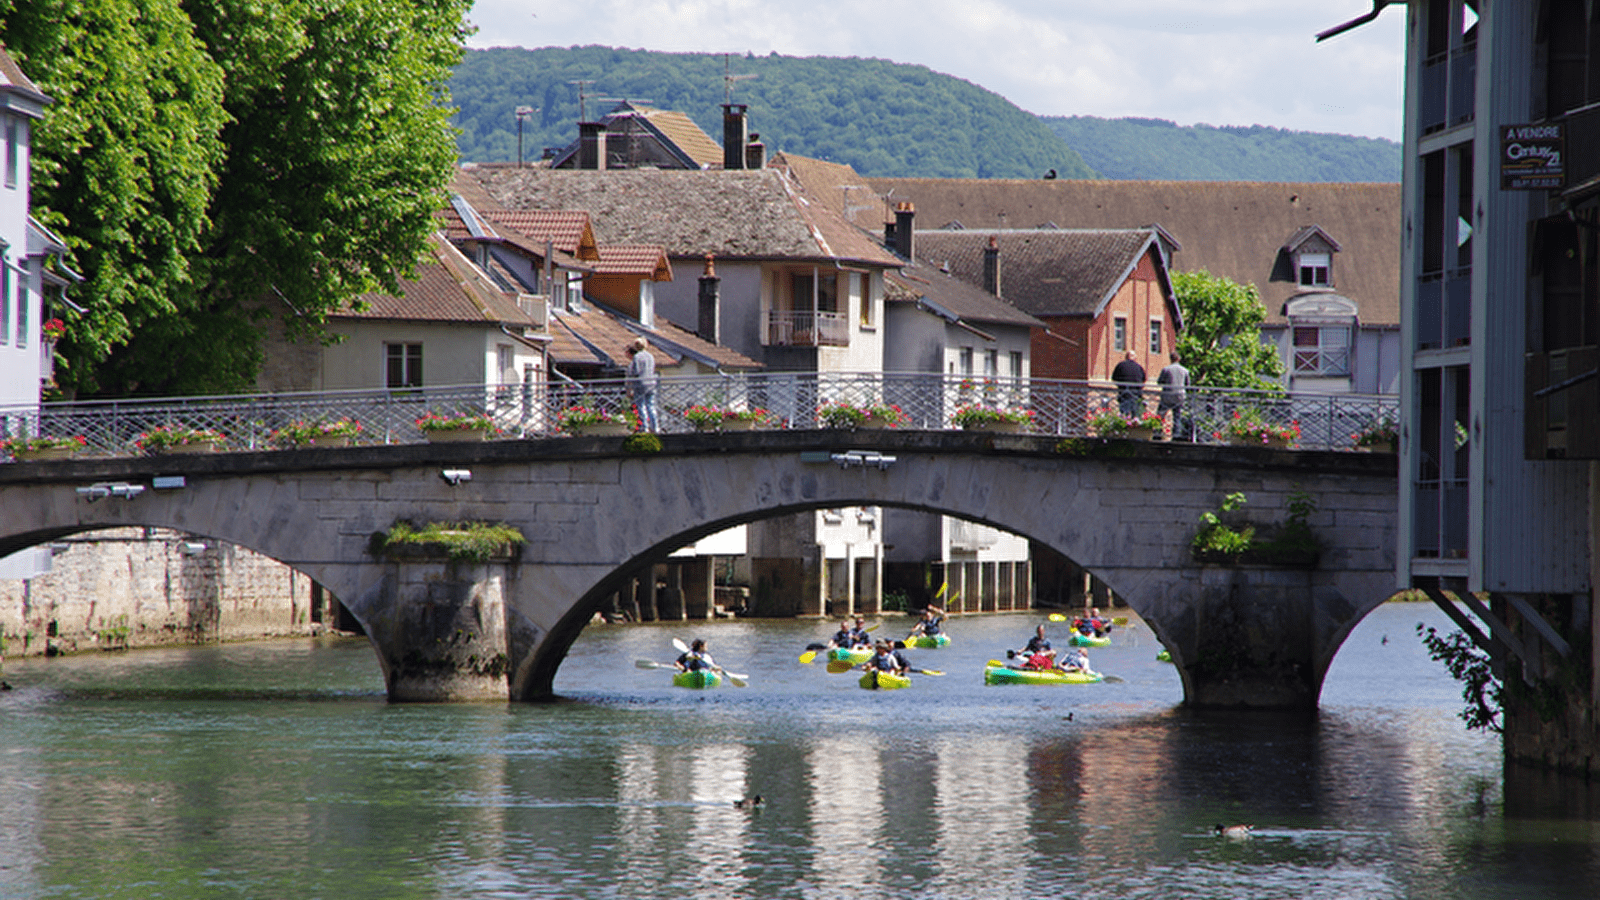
{"x":277,"y":769}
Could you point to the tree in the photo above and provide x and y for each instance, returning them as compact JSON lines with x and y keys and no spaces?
{"x":303,"y":148}
{"x":1221,"y":339}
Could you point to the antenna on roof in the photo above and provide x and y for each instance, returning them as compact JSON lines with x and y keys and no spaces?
{"x":583,"y":110}
{"x":728,"y":79}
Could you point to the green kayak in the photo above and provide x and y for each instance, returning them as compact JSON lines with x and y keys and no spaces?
{"x":700,"y":678}
{"x":854,"y":657}
{"x":997,"y":672}
{"x":1079,"y":639}
{"x":924,"y":642}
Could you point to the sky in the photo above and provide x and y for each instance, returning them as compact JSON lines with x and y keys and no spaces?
{"x":1217,"y":62}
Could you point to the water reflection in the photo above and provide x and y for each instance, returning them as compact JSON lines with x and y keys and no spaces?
{"x":278,"y":770}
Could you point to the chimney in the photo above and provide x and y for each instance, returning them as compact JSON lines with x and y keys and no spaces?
{"x":904,"y":213}
{"x":710,"y":324}
{"x":991,"y":266}
{"x":735,"y":135}
{"x":591,"y":145}
{"x":755,"y":153}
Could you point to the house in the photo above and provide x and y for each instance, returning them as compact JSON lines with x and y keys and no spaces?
{"x":1100,"y":293}
{"x":28,"y":275}
{"x":634,"y":136}
{"x":25,"y":247}
{"x":939,"y":324}
{"x":799,"y":290}
{"x":450,"y":324}
{"x":1324,"y":257}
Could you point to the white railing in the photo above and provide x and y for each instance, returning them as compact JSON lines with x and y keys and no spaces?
{"x":804,"y":328}
{"x":792,"y":401}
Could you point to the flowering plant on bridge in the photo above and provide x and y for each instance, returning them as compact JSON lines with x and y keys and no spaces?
{"x":1111,"y":423}
{"x":575,"y":417}
{"x":164,"y":438}
{"x":841,"y":414}
{"x":891,"y":415}
{"x":1383,"y":432}
{"x":298,"y":434}
{"x":978,"y":415}
{"x":28,"y":446}
{"x":749,"y":414}
{"x":436,"y":422}
{"x":1248,"y":427}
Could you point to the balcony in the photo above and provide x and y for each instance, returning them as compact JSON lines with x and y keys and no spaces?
{"x":805,"y":328}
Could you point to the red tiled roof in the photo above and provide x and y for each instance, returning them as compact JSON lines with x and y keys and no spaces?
{"x":634,"y":259}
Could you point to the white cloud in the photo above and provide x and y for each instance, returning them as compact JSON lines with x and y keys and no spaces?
{"x":1226,"y":62}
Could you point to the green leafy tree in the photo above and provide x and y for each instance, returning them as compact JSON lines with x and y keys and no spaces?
{"x":1221,"y":339}
{"x":302,"y":149}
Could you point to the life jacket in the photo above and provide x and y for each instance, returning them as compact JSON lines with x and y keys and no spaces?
{"x":1038,"y":661}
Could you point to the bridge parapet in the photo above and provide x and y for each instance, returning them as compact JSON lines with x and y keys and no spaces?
{"x":784,"y":400}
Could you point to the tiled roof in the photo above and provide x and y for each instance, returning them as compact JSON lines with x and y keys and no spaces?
{"x":447,"y":288}
{"x":457,"y":231}
{"x":599,"y":337}
{"x":634,"y":259}
{"x":1046,"y":272}
{"x":568,"y":230}
{"x":683,"y":133}
{"x":839,"y":188}
{"x":1233,"y":229}
{"x":971,"y":303}
{"x":13,"y":79}
{"x":744,"y":214}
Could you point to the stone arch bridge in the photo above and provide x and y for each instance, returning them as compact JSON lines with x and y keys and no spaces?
{"x":1241,"y":635}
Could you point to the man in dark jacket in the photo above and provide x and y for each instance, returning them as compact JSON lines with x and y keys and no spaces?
{"x":1129,"y":376}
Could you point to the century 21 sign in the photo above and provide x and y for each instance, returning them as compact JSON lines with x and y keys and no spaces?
{"x":1531,"y":157}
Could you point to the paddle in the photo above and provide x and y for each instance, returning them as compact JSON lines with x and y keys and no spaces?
{"x":808,"y":657}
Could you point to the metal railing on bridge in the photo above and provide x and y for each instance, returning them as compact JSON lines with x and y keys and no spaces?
{"x":790,"y":400}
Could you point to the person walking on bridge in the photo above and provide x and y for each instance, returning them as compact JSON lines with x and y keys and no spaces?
{"x":642,"y":382}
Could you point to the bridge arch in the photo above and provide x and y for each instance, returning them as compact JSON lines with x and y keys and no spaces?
{"x":590,"y":511}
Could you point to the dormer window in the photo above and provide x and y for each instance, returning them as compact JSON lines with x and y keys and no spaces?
{"x":1314,"y":269}
{"x":1307,"y":258}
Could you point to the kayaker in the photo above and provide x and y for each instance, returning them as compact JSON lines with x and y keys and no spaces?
{"x":858,"y":634}
{"x":930,"y":625}
{"x":844,"y":637}
{"x":1076,"y":661}
{"x":888,"y":659}
{"x":1038,"y":654}
{"x":696,"y":658}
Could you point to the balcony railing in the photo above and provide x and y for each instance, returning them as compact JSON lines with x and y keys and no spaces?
{"x":804,"y":328}
{"x":790,"y":399}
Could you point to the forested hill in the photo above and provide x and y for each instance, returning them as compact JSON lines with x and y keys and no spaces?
{"x":1156,"y":149}
{"x":880,"y":117}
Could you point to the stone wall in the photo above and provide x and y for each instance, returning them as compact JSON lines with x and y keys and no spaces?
{"x":137,"y":587}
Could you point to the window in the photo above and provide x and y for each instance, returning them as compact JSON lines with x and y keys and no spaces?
{"x":22,"y":311}
{"x":506,"y":362}
{"x":1119,"y":334}
{"x":1016,"y":363}
{"x":12,"y":152}
{"x":966,"y":360}
{"x":403,"y":365}
{"x":5,"y":302}
{"x":861,"y":286}
{"x":1155,"y":335}
{"x":991,"y":363}
{"x":1322,"y":350}
{"x":1314,"y":269}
